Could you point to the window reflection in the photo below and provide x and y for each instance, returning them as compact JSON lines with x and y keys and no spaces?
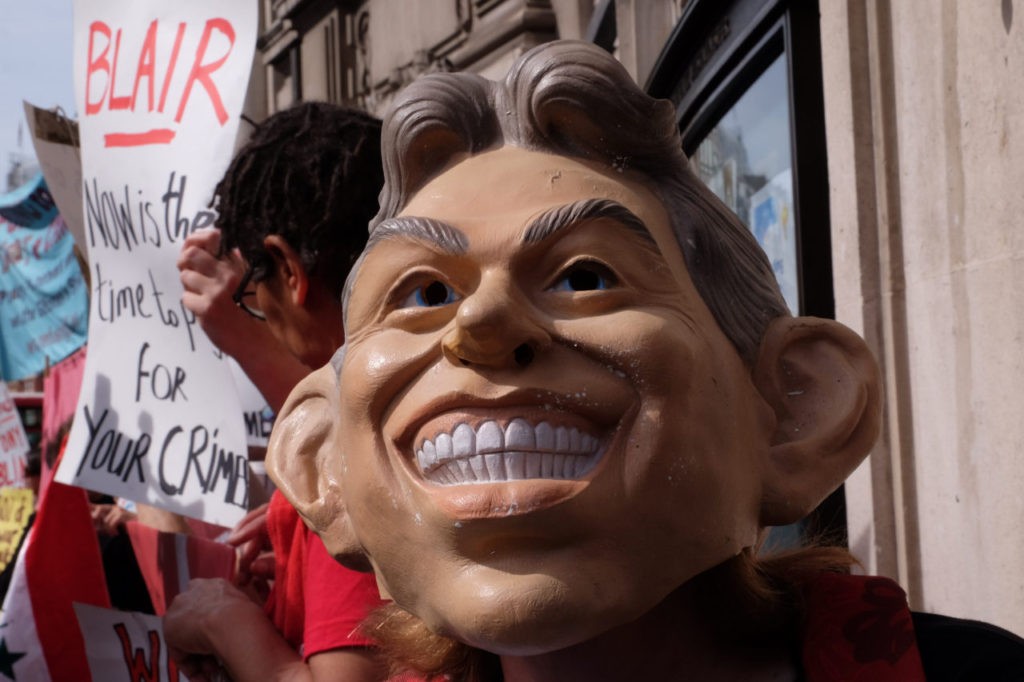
{"x":746,"y":161}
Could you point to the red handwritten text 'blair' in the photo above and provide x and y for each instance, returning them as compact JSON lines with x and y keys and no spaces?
{"x":151,"y":85}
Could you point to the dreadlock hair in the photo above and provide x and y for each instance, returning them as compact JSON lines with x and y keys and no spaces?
{"x":311,"y":174}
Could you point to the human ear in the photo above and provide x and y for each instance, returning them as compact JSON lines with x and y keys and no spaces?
{"x":823,"y":384}
{"x":303,"y":441}
{"x":288,"y":265}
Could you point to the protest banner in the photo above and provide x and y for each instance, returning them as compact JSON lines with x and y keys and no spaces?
{"x":160,"y":87}
{"x":31,"y":205}
{"x":55,"y":139}
{"x":43,"y":297}
{"x":13,"y":442}
{"x":122,"y":645}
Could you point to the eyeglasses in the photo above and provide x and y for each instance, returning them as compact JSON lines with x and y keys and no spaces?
{"x":243,"y":292}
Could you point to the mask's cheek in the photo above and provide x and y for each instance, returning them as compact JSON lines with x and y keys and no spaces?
{"x":380,"y":367}
{"x":377,"y":372}
{"x":402,"y":535}
{"x":691,"y":446}
{"x":651,"y":349}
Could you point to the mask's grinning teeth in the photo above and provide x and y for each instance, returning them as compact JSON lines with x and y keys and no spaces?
{"x":520,"y":451}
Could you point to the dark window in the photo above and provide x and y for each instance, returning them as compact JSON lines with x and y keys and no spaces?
{"x":745,"y":78}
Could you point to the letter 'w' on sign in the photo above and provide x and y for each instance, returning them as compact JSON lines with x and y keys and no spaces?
{"x":123,"y":645}
{"x":161,"y":86}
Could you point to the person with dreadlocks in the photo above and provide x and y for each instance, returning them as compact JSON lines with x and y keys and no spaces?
{"x":265,"y":285}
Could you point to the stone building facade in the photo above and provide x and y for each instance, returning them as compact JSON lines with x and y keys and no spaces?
{"x":877,"y":150}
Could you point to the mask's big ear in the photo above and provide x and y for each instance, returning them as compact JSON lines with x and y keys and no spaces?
{"x":303,"y":440}
{"x":823,"y":384}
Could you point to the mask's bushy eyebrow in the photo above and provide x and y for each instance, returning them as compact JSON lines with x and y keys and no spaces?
{"x":563,"y":217}
{"x":432,"y":232}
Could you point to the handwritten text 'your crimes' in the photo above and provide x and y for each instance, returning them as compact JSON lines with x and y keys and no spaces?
{"x":189,"y":458}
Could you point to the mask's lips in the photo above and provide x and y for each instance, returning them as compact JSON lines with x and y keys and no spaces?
{"x":509,"y":455}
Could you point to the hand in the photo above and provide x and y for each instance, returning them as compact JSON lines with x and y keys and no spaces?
{"x":196,"y":616}
{"x":109,"y":519}
{"x":212,"y":627}
{"x":209,"y":283}
{"x":255,"y":555}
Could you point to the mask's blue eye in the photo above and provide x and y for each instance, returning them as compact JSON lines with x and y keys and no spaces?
{"x":585,"y":276}
{"x":430,"y":295}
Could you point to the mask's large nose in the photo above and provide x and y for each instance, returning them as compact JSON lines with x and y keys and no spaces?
{"x":496,"y":327}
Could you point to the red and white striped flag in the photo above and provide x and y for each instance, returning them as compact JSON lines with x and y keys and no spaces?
{"x":169,"y":560}
{"x":59,"y":564}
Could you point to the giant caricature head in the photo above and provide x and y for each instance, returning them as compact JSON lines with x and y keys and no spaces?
{"x":570,"y":383}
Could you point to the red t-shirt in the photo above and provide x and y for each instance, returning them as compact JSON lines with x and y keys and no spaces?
{"x":316,"y":603}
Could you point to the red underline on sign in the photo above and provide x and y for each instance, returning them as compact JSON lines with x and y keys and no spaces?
{"x":155,"y":136}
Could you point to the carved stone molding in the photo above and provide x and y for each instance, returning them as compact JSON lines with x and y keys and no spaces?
{"x":383,"y":45}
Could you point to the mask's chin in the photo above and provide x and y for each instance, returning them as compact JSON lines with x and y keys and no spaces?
{"x":538,"y":619}
{"x":527,"y":614}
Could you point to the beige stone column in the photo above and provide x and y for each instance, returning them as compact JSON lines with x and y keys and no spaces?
{"x":924,"y":116}
{"x":643,"y":27}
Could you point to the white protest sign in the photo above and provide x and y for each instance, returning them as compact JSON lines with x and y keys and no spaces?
{"x":123,"y":645}
{"x":13,"y":442}
{"x":160,"y":88}
{"x":259,"y":418}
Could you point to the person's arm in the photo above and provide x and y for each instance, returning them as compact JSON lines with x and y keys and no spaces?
{"x":348,"y":665}
{"x":213,"y":622}
{"x":161,"y":519}
{"x":109,"y":519}
{"x":209,"y":283}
